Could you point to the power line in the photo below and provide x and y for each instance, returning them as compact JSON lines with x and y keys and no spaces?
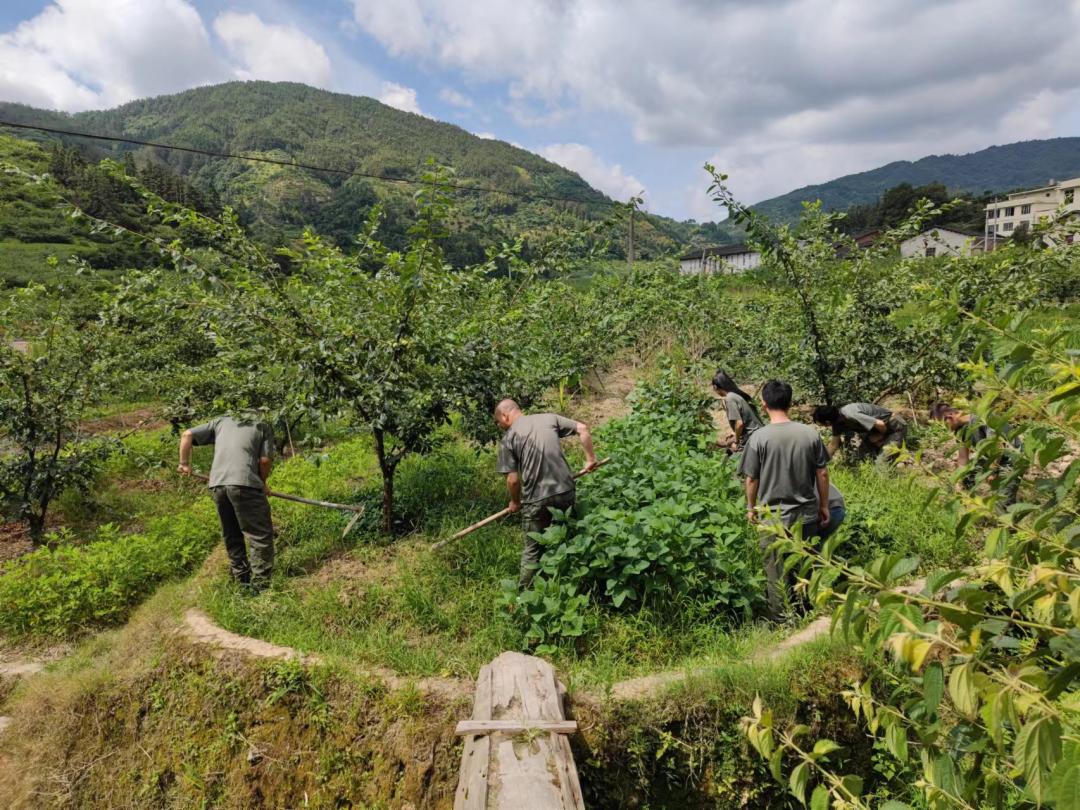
{"x":348,"y":172}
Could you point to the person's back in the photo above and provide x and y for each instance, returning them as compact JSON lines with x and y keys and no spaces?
{"x":238,"y":446}
{"x":784,"y":458}
{"x":537,"y":475}
{"x":738,"y":409}
{"x":533,"y":440}
{"x":861,"y":417}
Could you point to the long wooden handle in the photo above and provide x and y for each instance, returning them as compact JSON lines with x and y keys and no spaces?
{"x":309,"y":501}
{"x":500,"y":515}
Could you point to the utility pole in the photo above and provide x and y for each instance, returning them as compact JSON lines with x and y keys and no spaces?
{"x":635,"y":201}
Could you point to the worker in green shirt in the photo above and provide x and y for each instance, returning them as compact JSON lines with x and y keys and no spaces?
{"x":538,"y":476}
{"x":785,"y":466}
{"x":741,"y":416}
{"x":243,"y":458}
{"x":878,"y":428}
{"x":972,"y":432}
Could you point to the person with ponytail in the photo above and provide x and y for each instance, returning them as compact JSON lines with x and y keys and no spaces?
{"x":741,"y":415}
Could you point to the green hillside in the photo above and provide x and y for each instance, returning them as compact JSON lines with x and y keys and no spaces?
{"x":294,"y":122}
{"x":996,"y":169}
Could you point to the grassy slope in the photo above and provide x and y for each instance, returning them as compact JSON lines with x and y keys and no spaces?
{"x":293,"y":122}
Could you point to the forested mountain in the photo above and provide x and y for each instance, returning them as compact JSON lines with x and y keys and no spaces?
{"x":293,"y":122}
{"x":996,"y":169}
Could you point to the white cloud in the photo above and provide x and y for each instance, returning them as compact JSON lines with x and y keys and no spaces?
{"x":455,"y":98}
{"x":272,"y":52}
{"x":487,"y":136}
{"x":81,"y":54}
{"x":786,"y":90}
{"x":609,"y":178}
{"x":90,"y":54}
{"x":399,"y":96}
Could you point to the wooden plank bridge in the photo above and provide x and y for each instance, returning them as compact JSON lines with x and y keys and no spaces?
{"x":517,"y":752}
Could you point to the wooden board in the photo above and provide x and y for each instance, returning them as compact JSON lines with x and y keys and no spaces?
{"x":514,"y":763}
{"x":466,"y":727}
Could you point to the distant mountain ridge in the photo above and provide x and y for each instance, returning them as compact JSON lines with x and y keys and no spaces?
{"x":1025,"y":164}
{"x":302,"y":124}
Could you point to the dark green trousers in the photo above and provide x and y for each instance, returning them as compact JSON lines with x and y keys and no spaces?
{"x":536,"y":517}
{"x":778,"y":584}
{"x":245,"y":516}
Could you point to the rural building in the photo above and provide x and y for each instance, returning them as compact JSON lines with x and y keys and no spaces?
{"x":1033,"y":206}
{"x":946,"y":242}
{"x":720,"y":259}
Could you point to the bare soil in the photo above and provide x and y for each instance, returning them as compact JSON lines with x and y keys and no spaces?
{"x":14,"y":541}
{"x":140,"y":418}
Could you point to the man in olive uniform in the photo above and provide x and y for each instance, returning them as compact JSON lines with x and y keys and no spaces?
{"x":972,"y":431}
{"x":243,"y":454}
{"x":537,"y":474}
{"x":785,"y":465}
{"x":877,"y":427}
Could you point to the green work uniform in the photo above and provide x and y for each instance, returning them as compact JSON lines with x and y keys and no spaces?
{"x":973,"y":434}
{"x":739,"y":410}
{"x":239,"y":494}
{"x":860,"y":417}
{"x":531,"y":448}
{"x":784,"y":459}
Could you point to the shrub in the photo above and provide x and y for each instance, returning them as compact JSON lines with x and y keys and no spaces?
{"x":661,"y":525}
{"x":60,"y":591}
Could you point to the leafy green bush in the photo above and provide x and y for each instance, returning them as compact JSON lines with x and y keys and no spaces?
{"x":974,"y":681}
{"x":661,"y":527}
{"x":58,"y":591}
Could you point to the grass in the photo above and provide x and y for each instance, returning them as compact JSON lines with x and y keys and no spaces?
{"x":425,"y":613}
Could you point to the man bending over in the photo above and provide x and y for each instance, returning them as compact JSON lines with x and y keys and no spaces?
{"x":243,"y":453}
{"x":537,"y":473}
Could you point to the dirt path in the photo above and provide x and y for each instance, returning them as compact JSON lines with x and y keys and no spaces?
{"x":201,"y":629}
{"x":643,"y":687}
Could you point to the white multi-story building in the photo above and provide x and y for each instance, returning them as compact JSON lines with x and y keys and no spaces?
{"x":1033,"y":206}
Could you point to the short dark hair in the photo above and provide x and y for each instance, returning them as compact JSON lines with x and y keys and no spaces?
{"x":826,"y":414}
{"x":777,"y":395}
{"x":939,"y":410}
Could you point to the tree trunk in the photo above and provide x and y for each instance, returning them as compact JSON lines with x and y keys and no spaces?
{"x":36,"y":524}
{"x":386,"y":467}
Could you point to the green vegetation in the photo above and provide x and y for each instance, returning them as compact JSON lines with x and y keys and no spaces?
{"x":662,"y":528}
{"x":292,"y":122}
{"x":379,"y":366}
{"x":1027,"y":164}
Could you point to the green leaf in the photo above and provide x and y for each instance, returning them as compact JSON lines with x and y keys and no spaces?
{"x":896,"y":741}
{"x":962,"y":689}
{"x":1065,"y":787}
{"x":1036,"y":751}
{"x":797,"y":781}
{"x":824,"y":748}
{"x":819,"y":799}
{"x":933,"y":686}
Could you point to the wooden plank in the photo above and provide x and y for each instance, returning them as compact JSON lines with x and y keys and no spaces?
{"x":517,"y":693}
{"x":465,"y":727}
{"x":476,"y":758}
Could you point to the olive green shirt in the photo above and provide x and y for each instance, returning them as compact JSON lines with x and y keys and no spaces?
{"x":530,"y":447}
{"x":738,"y":409}
{"x":238,"y":446}
{"x":784,"y":459}
{"x":861,"y":416}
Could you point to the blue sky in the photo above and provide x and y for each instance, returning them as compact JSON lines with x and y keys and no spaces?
{"x":633,"y":95}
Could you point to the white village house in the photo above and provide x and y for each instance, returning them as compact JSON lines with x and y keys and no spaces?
{"x":1035,"y":205}
{"x":947,"y":242}
{"x":719,"y":259}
